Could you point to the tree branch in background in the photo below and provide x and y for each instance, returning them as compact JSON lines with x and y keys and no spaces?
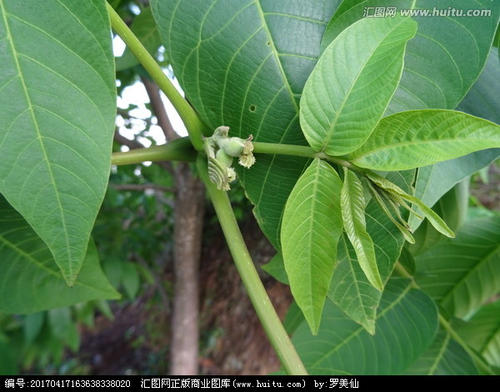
{"x":141,"y":187}
{"x":159,"y":109}
{"x":132,"y":144}
{"x":189,"y":210}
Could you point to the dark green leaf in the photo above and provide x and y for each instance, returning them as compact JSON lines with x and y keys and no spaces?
{"x":462,"y":273}
{"x":444,"y":357}
{"x":406,"y":325}
{"x":33,"y":324}
{"x":240,"y":66}
{"x":439,"y":68}
{"x":310,"y":232}
{"x":57,"y":94}
{"x":276,"y":268}
{"x":144,"y":27}
{"x":130,"y":279}
{"x":353,"y":82}
{"x":482,"y":332}
{"x":29,"y":271}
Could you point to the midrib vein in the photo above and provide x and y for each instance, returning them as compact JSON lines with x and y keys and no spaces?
{"x":276,"y":54}
{"x":37,"y":130}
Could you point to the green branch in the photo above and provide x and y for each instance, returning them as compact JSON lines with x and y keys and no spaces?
{"x":256,"y":291}
{"x":176,"y":150}
{"x":193,"y":123}
{"x":447,"y":326}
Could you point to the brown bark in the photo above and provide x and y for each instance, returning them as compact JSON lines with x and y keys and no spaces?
{"x":189,"y":209}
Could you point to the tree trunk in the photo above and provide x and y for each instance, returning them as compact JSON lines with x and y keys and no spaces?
{"x":189,"y":209}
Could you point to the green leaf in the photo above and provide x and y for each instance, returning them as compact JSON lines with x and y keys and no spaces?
{"x":57,"y":94}
{"x":422,"y":137}
{"x":352,"y":202}
{"x":444,"y":357}
{"x":482,"y":99}
{"x":144,"y":27}
{"x":310,"y":232}
{"x":434,"y":181}
{"x":462,"y":273}
{"x":276,"y":268}
{"x":350,"y":87}
{"x":254,"y":82}
{"x":30,"y":272}
{"x":439,"y":68}
{"x":349,"y":288}
{"x":453,"y":208}
{"x":32,"y":326}
{"x":130,"y":279}
{"x":406,"y":325}
{"x":482,"y":332}
{"x":400,"y":196}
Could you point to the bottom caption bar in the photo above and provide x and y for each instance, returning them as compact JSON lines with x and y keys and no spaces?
{"x":254,"y":383}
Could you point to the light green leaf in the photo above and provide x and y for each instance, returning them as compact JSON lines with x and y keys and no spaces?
{"x":144,"y":27}
{"x":462,"y":273}
{"x":353,"y":82}
{"x":57,"y":94}
{"x":422,"y":137}
{"x":400,"y":196}
{"x":406,"y":325}
{"x":482,"y":332}
{"x":444,"y":357}
{"x":29,"y":271}
{"x":439,"y":68}
{"x":352,"y":202}
{"x":482,"y":101}
{"x":253,"y":84}
{"x":310,"y":232}
{"x":349,"y":288}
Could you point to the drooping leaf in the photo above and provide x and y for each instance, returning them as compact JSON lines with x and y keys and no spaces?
{"x":57,"y":94}
{"x":253,"y":84}
{"x":349,"y":288}
{"x":400,"y":197}
{"x":482,"y":332}
{"x":406,"y":325}
{"x":352,"y":202}
{"x":30,"y":280}
{"x":312,"y":225}
{"x":453,"y":208}
{"x":423,"y":137}
{"x":144,"y":28}
{"x":444,"y":357}
{"x":439,"y":68}
{"x":353,"y":82}
{"x":462,"y":273}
